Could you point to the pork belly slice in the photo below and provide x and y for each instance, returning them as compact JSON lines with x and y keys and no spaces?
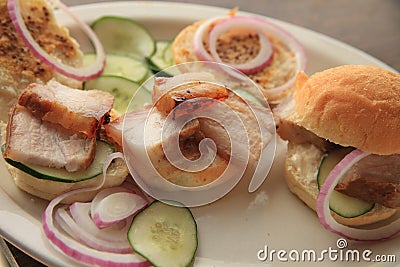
{"x":374,"y":179}
{"x":114,"y":129}
{"x":32,"y":140}
{"x":78,"y":110}
{"x":192,"y":96}
{"x":144,"y":141}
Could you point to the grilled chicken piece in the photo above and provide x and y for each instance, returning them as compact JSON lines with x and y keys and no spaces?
{"x":31,"y":140}
{"x":18,"y":66}
{"x":374,"y":179}
{"x":79,"y":110}
{"x":289,"y":130}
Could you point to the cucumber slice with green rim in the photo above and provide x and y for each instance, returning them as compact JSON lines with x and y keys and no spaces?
{"x":121,"y":88}
{"x":162,"y":58}
{"x":123,"y":66}
{"x":343,"y":205}
{"x":124,"y":36}
{"x":103,"y":149}
{"x":248,"y":96}
{"x":165,"y":235}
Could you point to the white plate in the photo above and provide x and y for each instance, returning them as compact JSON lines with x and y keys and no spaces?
{"x":235,"y":228}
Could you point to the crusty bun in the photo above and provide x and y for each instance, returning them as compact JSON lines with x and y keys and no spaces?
{"x":301,"y":166}
{"x":281,"y":68}
{"x":351,"y":105}
{"x":47,"y":189}
{"x":18,"y":66}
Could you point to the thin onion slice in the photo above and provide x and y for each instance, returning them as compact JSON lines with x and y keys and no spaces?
{"x":81,"y":74}
{"x":198,"y":40}
{"x":80,"y":212}
{"x":69,"y":225}
{"x":260,"y":61}
{"x":324,"y":213}
{"x":111,"y":206}
{"x":268,"y":27}
{"x":78,"y":251}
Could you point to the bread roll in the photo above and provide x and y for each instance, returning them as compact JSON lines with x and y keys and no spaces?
{"x":351,"y":105}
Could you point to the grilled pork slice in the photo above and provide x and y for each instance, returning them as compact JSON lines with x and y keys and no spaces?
{"x":250,"y":128}
{"x":31,"y":140}
{"x":289,"y":130}
{"x":143,"y":134}
{"x":79,"y":110}
{"x":18,"y":66}
{"x":374,"y":179}
{"x":166,"y":98}
{"x":115,"y":128}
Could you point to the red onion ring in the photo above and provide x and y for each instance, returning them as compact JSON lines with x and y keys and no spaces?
{"x":287,"y":38}
{"x":81,"y":74}
{"x":78,"y":251}
{"x":111,"y":206}
{"x":198,"y":45}
{"x":68,"y":224}
{"x":324,"y":213}
{"x":80,"y":212}
{"x":260,"y":61}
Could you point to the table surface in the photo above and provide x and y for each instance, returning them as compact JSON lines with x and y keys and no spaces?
{"x":369,"y":25}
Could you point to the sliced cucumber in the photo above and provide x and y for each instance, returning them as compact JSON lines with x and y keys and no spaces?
{"x":343,"y":205}
{"x":248,"y":96}
{"x":103,"y":149}
{"x":123,"y":66}
{"x":165,"y":235}
{"x":121,"y":88}
{"x":124,"y":36}
{"x":162,"y":58}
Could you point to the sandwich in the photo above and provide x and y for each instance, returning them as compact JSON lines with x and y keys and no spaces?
{"x":203,"y":105}
{"x":52,"y":142}
{"x":18,"y":66}
{"x":239,"y":44}
{"x":332,"y":113}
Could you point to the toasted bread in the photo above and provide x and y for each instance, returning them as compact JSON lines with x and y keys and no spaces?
{"x":281,"y":68}
{"x":18,"y":66}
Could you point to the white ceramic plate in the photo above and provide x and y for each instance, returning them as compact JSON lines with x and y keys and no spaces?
{"x":234,"y":229}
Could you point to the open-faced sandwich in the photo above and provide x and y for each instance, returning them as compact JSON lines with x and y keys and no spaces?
{"x":52,"y":142}
{"x":263,"y":51}
{"x":352,"y":113}
{"x":196,"y":101}
{"x":18,"y":65}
